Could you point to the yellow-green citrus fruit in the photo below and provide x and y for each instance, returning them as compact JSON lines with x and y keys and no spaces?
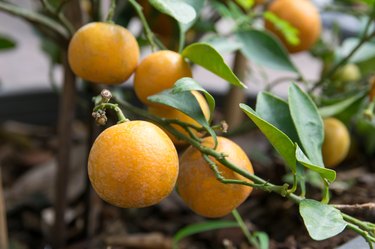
{"x":349,"y":72}
{"x":336,"y":142}
{"x":158,"y":72}
{"x":198,"y":186}
{"x":172,"y":113}
{"x":103,"y":53}
{"x":133,"y":165}
{"x":302,"y":15}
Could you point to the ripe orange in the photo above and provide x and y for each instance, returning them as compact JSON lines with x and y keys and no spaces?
{"x":133,"y":164}
{"x":198,"y":186}
{"x":158,"y":72}
{"x":336,"y":142}
{"x":172,"y":113}
{"x":301,"y":14}
{"x":103,"y":53}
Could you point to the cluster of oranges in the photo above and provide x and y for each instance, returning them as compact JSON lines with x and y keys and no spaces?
{"x":135,"y":163}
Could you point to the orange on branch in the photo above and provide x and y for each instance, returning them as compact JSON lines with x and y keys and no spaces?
{"x":133,"y":164}
{"x":103,"y":53}
{"x":198,"y":186}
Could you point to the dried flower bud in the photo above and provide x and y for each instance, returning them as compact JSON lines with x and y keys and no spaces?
{"x":106,"y":95}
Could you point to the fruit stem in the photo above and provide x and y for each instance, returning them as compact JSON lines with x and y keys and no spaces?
{"x":120,"y":115}
{"x":111,"y":12}
{"x":149,"y":35}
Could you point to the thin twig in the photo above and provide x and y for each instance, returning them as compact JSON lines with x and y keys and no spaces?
{"x":149,"y":34}
{"x":35,"y":17}
{"x":365,"y":38}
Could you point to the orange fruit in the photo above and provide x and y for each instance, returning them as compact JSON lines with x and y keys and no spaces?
{"x":172,"y":113}
{"x":336,"y":142}
{"x":301,"y":14}
{"x":158,"y":72}
{"x":198,"y":186}
{"x":103,"y":53}
{"x":133,"y":164}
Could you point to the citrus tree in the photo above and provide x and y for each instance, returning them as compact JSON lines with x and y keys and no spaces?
{"x":134,"y":164}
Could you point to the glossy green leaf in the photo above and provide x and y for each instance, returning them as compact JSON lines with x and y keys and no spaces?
{"x":334,"y":109}
{"x":281,"y":142}
{"x":201,"y":227}
{"x":308,"y":123}
{"x":328,"y":174}
{"x":276,"y":111}
{"x":206,"y":56}
{"x":180,"y":98}
{"x":188,"y":84}
{"x":178,"y":9}
{"x":263,"y":49}
{"x":321,"y":220}
{"x":6,"y":43}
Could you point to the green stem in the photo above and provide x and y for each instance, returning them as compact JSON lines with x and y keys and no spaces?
{"x":149,"y":35}
{"x":35,"y":17}
{"x":111,"y":11}
{"x":326,"y":194}
{"x":181,"y":40}
{"x":365,"y":37}
{"x":120,"y":115}
{"x":362,"y":224}
{"x":244,"y":229}
{"x":60,"y":16}
{"x":370,"y":240}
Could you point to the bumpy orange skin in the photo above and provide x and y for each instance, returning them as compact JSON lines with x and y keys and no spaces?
{"x":103,"y":53}
{"x":336,"y":142}
{"x":198,"y":186}
{"x":133,"y":165}
{"x":301,"y":14}
{"x":171,"y":113}
{"x":157,"y":72}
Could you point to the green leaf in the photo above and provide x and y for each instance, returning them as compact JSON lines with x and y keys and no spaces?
{"x":281,"y":142}
{"x":206,"y":56}
{"x":198,"y":6}
{"x":276,"y":111}
{"x":178,"y":9}
{"x":180,"y":98}
{"x":289,"y":32}
{"x":334,"y":109}
{"x":6,"y":43}
{"x":188,"y":84}
{"x":328,"y":174}
{"x":246,"y":4}
{"x":321,"y":220}
{"x":265,"y":50}
{"x":308,"y":123}
{"x":201,"y":227}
